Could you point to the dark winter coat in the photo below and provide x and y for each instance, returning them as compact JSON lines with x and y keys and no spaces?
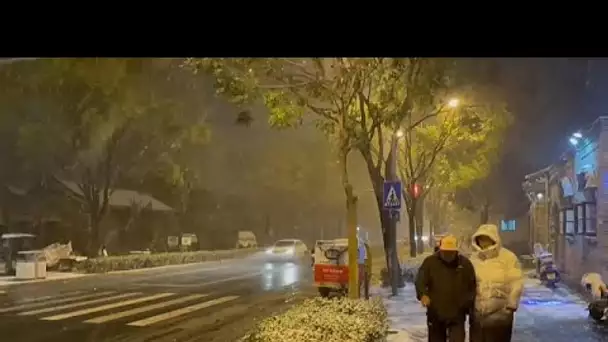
{"x":450,"y":286}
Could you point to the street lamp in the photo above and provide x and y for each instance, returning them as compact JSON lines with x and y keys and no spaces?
{"x":575,"y":138}
{"x":453,"y":102}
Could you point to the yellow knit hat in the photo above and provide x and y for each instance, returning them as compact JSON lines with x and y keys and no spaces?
{"x":448,"y":243}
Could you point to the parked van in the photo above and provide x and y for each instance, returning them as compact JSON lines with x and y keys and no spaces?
{"x":189,"y":242}
{"x":11,"y":245}
{"x":246,"y":239}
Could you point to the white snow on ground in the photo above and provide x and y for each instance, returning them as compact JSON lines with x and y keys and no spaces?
{"x":544,"y":315}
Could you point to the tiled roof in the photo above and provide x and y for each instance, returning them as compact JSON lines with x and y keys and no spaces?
{"x":125,"y":198}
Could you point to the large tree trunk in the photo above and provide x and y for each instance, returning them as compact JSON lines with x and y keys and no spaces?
{"x":94,"y":232}
{"x":411,"y":215}
{"x":384,"y":216}
{"x":419,"y":226}
{"x":385,"y":225}
{"x":485,"y":213}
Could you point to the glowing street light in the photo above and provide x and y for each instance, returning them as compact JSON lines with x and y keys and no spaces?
{"x":454,"y":102}
{"x":575,"y":138}
{"x":539,"y":196}
{"x":399,"y":133}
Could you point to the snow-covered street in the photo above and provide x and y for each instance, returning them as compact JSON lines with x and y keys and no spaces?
{"x":544,"y":315}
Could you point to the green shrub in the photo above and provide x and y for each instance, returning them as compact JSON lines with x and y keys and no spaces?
{"x":320,"y":319}
{"x":132,"y":262}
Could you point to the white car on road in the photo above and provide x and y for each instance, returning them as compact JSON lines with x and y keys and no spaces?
{"x":289,"y":249}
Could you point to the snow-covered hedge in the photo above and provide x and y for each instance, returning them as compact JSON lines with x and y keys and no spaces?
{"x":137,"y":261}
{"x":321,"y":320}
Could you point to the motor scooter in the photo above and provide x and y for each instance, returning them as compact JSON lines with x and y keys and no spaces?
{"x":549,"y":275}
{"x":546,"y":269}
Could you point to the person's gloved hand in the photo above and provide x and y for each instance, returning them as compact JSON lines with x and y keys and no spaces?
{"x":426,"y":301}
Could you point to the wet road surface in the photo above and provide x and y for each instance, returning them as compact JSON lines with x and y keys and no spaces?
{"x":209,"y":302}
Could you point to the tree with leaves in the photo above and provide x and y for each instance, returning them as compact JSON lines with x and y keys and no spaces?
{"x":448,"y":152}
{"x":97,"y":121}
{"x":359,"y":103}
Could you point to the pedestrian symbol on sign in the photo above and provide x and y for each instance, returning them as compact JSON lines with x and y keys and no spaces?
{"x":392,"y":195}
{"x":391,"y":199}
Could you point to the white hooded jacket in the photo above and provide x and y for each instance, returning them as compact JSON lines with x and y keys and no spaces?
{"x":499,"y":276}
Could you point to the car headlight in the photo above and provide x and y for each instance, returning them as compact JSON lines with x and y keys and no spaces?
{"x":289,"y":251}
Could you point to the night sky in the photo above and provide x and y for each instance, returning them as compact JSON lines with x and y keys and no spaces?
{"x":550,"y":99}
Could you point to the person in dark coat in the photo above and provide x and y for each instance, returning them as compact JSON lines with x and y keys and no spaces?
{"x":446,"y":286}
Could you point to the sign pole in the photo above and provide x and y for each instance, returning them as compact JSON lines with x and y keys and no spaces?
{"x":392,"y":205}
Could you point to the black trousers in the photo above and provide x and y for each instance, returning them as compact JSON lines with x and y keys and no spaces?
{"x":491,"y":333}
{"x":442,"y":332}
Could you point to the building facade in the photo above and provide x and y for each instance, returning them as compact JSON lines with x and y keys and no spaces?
{"x":569,"y":204}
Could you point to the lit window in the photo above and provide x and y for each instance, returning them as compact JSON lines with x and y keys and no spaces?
{"x":590,"y":219}
{"x":580,"y":219}
{"x":569,"y":222}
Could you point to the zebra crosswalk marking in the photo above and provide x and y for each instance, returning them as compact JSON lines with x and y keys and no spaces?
{"x":106,"y":307}
{"x":136,"y":311}
{"x":52,"y":302}
{"x":77,"y":304}
{"x":40,"y":299}
{"x":179,"y":312}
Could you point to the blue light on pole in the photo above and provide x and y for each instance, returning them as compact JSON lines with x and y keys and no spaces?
{"x":573,"y":141}
{"x":577,"y":135}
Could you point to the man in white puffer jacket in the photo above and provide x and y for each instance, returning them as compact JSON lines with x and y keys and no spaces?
{"x":499,"y":287}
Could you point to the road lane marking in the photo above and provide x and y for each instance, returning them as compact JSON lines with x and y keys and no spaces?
{"x":171,"y":274}
{"x":53,"y":302}
{"x":250,"y":275}
{"x":219,"y":281}
{"x":136,"y":311}
{"x":39,"y":299}
{"x":77,"y":304}
{"x":106,"y":307}
{"x":179,"y":312}
{"x":167,"y":285}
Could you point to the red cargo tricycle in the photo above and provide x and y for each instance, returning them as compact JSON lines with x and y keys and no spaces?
{"x":331,"y":268}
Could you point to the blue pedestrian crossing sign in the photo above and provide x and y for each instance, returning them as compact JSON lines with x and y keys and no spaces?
{"x":392,"y":195}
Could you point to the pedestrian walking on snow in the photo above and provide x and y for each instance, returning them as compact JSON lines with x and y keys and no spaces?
{"x":445,"y":285}
{"x":499,"y":287}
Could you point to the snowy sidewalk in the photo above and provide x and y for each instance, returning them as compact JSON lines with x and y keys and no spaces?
{"x":544,"y":315}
